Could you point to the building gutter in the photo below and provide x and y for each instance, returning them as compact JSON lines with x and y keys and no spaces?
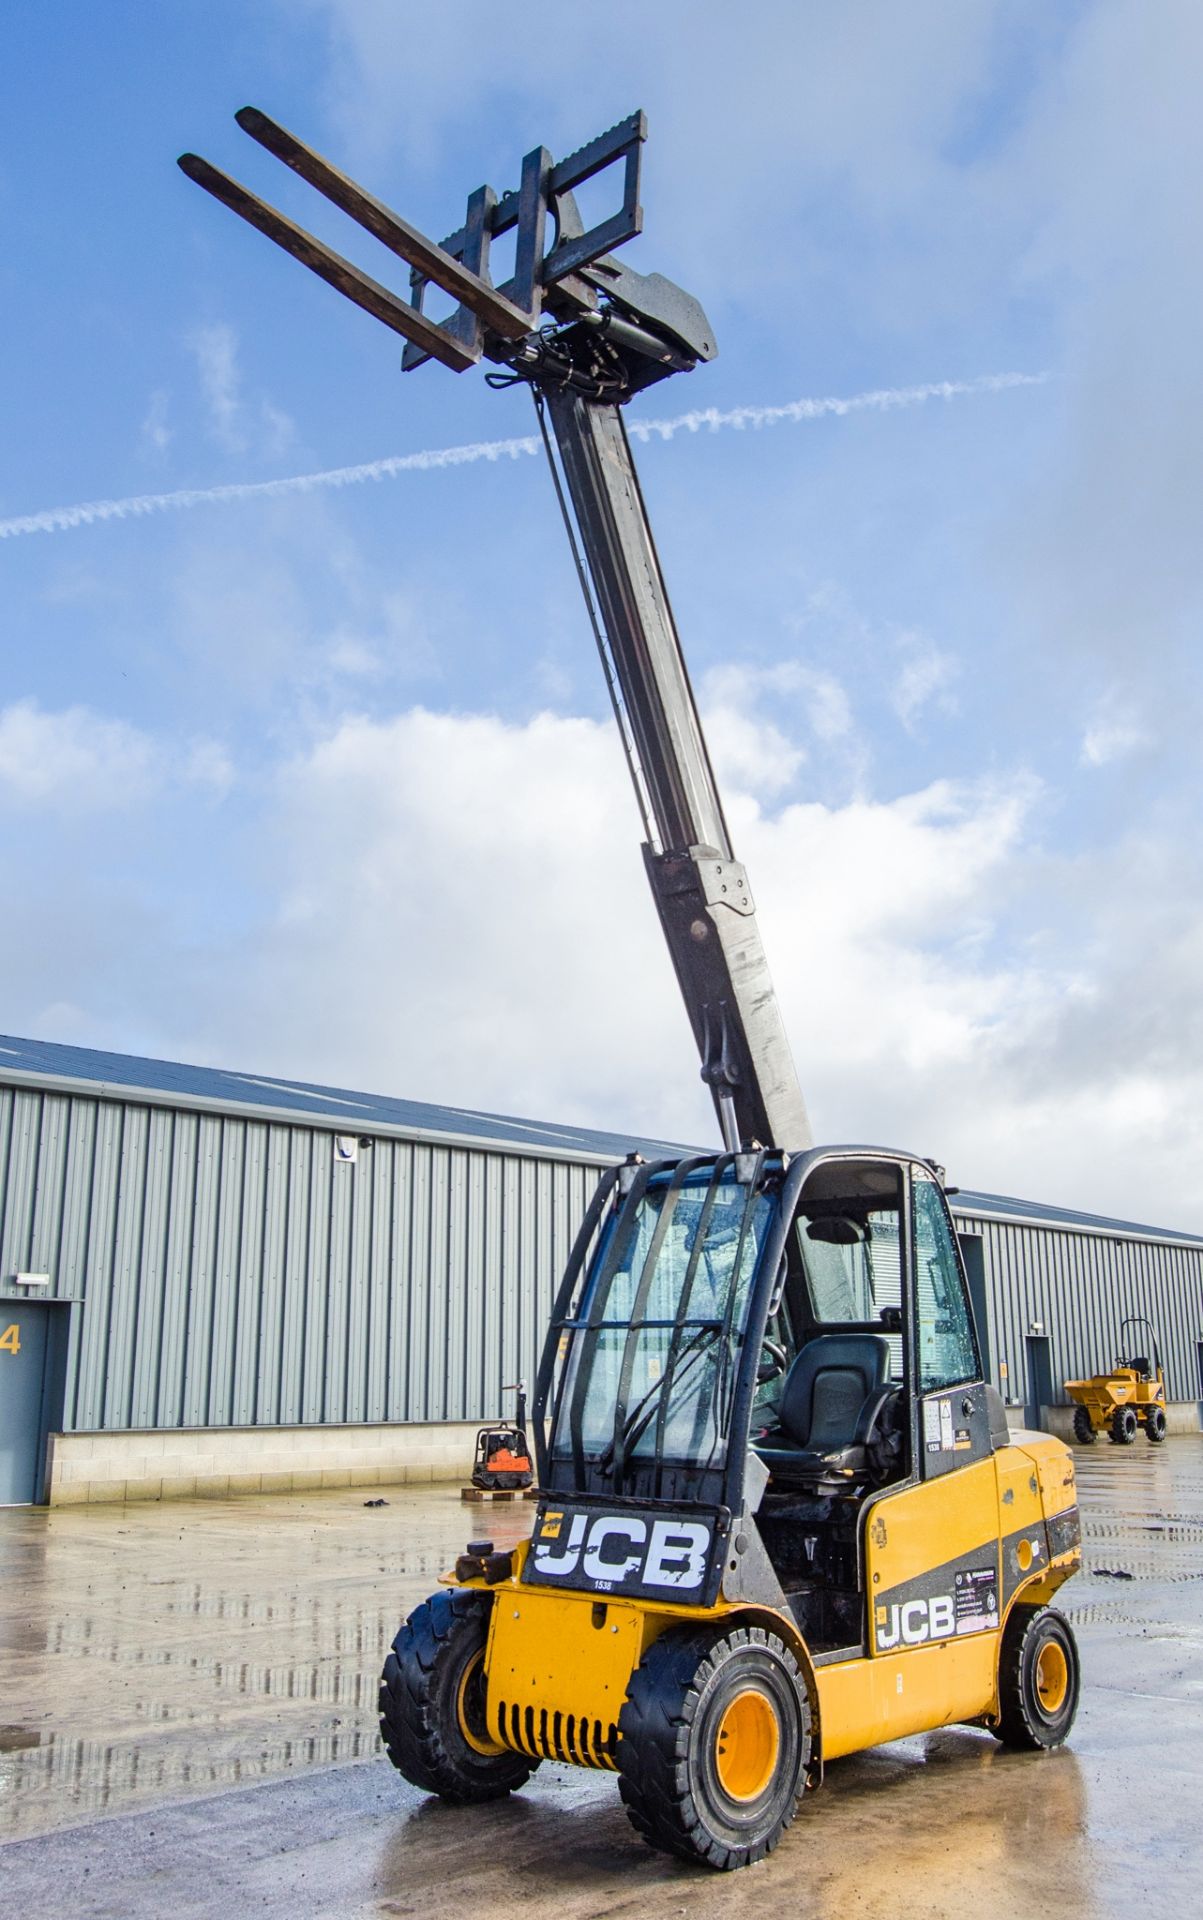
{"x":361,"y":1126}
{"x":1147,"y":1237}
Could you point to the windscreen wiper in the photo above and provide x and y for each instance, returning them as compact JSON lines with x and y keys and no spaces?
{"x":640,"y":1415}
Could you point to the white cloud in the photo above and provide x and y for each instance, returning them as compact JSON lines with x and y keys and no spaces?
{"x":234,"y":423}
{"x":925,"y":676}
{"x":452,"y":908}
{"x":1114,"y":733}
{"x":459,"y":915}
{"x":76,"y":760}
{"x":864,"y":99}
{"x":156,"y":434}
{"x":208,"y":765}
{"x":216,"y":352}
{"x":746,"y":747}
{"x":757,"y":718}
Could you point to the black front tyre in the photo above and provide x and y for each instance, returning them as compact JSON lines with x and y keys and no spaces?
{"x":1039,"y":1679}
{"x":432,"y":1717}
{"x":1123,"y":1426}
{"x":1155,"y":1425}
{"x":714,"y":1741}
{"x":1083,"y":1427}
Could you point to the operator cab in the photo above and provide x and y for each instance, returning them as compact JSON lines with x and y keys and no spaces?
{"x":789,"y":1339}
{"x":870,"y":1376}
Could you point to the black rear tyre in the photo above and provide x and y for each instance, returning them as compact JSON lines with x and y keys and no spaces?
{"x":1039,"y":1679}
{"x":714,"y":1740}
{"x":432,"y":1717}
{"x":1155,"y":1425}
{"x":1123,"y":1426}
{"x":1083,"y":1427}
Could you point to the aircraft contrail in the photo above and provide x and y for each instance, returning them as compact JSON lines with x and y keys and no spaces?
{"x":711,"y":419}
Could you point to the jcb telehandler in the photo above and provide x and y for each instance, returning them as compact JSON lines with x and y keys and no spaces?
{"x":780,"y":1514}
{"x":780,"y":1519}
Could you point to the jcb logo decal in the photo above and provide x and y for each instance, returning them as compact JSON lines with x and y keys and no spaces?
{"x":914,"y":1621}
{"x":612,"y":1550}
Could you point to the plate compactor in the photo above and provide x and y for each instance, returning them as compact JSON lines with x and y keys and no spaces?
{"x":1131,"y":1396}
{"x":780,"y":1515}
{"x":501,"y":1462}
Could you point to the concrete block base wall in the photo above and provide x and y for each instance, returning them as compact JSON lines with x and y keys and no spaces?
{"x":1181,"y":1416}
{"x":217,"y":1462}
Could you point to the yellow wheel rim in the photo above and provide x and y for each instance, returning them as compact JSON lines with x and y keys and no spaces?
{"x":470,"y":1707}
{"x":1052,"y":1676}
{"x":746,"y":1745}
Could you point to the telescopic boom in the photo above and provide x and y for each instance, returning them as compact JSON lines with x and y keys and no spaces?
{"x":586,"y":333}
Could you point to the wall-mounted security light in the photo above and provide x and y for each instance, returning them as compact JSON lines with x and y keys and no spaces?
{"x":1035,"y":1327}
{"x":31,"y":1279}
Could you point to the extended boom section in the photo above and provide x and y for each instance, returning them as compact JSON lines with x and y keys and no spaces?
{"x":701,"y":891}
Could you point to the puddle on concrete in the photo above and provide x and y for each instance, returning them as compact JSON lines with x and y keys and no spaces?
{"x":159,"y":1652}
{"x":153,"y":1652}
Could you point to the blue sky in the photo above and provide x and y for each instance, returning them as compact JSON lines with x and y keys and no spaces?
{"x":324,"y":784}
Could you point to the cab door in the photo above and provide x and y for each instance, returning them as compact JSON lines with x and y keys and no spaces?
{"x":931,"y":1548}
{"x":953,"y":1419}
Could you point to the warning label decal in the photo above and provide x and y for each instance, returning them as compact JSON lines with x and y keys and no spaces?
{"x":976,"y":1599}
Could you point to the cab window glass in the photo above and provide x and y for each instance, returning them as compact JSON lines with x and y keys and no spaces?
{"x":947,"y":1351}
{"x":777,"y":1352}
{"x":851,"y":1253}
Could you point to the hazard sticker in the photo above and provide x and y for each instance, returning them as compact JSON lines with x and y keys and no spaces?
{"x":976,"y":1599}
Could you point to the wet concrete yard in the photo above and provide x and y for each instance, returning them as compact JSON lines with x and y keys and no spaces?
{"x":187,"y":1727}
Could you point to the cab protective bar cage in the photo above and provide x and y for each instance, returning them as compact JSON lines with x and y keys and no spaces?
{"x":627,"y":1431}
{"x":545,"y":1377}
{"x":761,"y":1168}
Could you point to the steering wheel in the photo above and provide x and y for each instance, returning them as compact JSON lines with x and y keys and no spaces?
{"x":774,"y":1361}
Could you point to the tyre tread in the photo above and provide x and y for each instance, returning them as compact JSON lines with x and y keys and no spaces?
{"x":1018,"y":1725}
{"x":412,"y":1719}
{"x":654,"y":1728}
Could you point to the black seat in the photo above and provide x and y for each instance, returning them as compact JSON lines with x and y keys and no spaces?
{"x":832,"y":1396}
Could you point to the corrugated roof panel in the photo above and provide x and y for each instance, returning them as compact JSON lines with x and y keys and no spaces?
{"x":129,"y":1075}
{"x":356,"y":1112}
{"x":1004,"y":1207}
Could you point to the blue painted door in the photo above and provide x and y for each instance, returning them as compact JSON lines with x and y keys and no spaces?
{"x":1040,"y":1378}
{"x":23,"y":1331}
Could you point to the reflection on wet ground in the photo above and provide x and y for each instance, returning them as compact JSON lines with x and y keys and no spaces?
{"x":154,"y":1655}
{"x":148,"y":1652}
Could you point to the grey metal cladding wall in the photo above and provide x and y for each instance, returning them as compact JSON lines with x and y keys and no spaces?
{"x":231,"y":1274}
{"x":1079,"y":1287}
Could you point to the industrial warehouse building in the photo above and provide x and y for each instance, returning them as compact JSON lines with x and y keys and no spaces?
{"x":214,"y":1282}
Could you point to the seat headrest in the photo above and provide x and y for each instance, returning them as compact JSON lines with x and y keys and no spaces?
{"x":836,"y":1230}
